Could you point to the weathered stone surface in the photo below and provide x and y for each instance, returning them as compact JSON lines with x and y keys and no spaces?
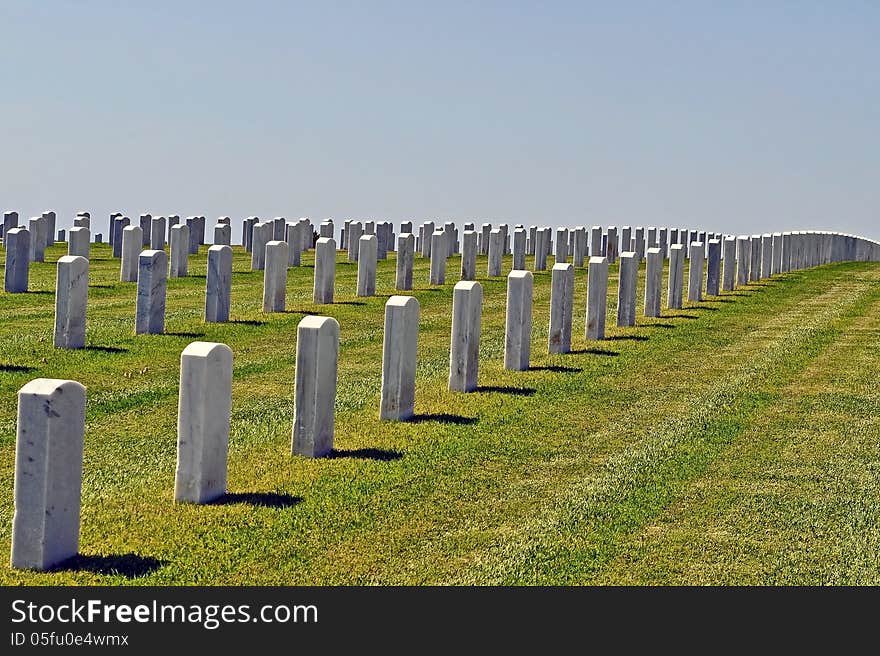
{"x":653,"y":281}
{"x":626,"y":289}
{"x":218,"y":288}
{"x":203,"y":411}
{"x":48,"y":473}
{"x":663,"y":242}
{"x":180,"y":250}
{"x":49,"y":218}
{"x":151,"y":285}
{"x":367,"y":262}
{"x":17,"y":243}
{"x":518,"y":324}
{"x":10,"y":222}
{"x":145,"y":224}
{"x":173,"y":220}
{"x":275,"y":277}
{"x":247,"y":232}
{"x":325,"y":271}
{"x":485,"y":230}
{"x":561,"y":308}
{"x":132,"y":242}
{"x":695,"y":271}
{"x":317,"y":356}
{"x":639,"y":243}
{"x":464,"y":351}
{"x":405,"y":256}
{"x":597,"y":294}
{"x":676,"y":277}
{"x":399,"y":357}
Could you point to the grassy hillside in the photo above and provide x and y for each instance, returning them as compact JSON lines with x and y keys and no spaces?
{"x":734,"y":441}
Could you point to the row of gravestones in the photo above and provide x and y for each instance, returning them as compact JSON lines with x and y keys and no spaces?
{"x":51,"y":413}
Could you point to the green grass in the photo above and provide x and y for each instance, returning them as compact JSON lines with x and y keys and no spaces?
{"x":735,"y":441}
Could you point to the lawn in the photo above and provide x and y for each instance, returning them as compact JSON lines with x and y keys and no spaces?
{"x":735,"y":441}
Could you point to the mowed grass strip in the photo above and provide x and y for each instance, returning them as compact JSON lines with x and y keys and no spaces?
{"x":582,"y":470}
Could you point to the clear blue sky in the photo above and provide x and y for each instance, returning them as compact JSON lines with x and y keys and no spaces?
{"x":734,"y":116}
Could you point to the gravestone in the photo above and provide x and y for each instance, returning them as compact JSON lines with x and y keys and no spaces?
{"x":145,"y":221}
{"x":464,"y":351}
{"x":626,"y":289}
{"x":132,"y":242}
{"x":469,"y":255}
{"x":262,"y":235}
{"x":37,"y":240}
{"x":766,"y":255}
{"x":203,"y":412}
{"x":519,"y":249}
{"x":695,"y":272}
{"x":275,"y":277}
{"x":218,"y":287}
{"x":743,"y":260}
{"x":17,"y":243}
{"x":71,"y":296}
{"x":354,"y":240}
{"x":496,"y":250}
{"x":325,"y":271}
{"x":597,"y":295}
{"x":518,"y":324}
{"x":405,"y":257}
{"x":729,"y":276}
{"x":48,"y":473}
{"x":317,"y":355}
{"x":540,"y":250}
{"x":157,"y":233}
{"x":596,"y":242}
{"x":676,"y":277}
{"x":438,"y":258}
{"x":755,"y":258}
{"x":561,"y":308}
{"x":222,"y":234}
{"x":561,"y":255}
{"x":713,"y":268}
{"x":653,"y":281}
{"x":399,"y":357}
{"x":152,"y":280}
{"x":179,"y":250}
{"x":367,"y":261}
{"x":579,"y":253}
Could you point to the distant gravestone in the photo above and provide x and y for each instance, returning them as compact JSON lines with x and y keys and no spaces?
{"x":729,"y":274}
{"x":713,"y":268}
{"x":561,"y":308}
{"x":157,"y":233}
{"x":438,"y":258}
{"x":496,"y":251}
{"x":695,"y":272}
